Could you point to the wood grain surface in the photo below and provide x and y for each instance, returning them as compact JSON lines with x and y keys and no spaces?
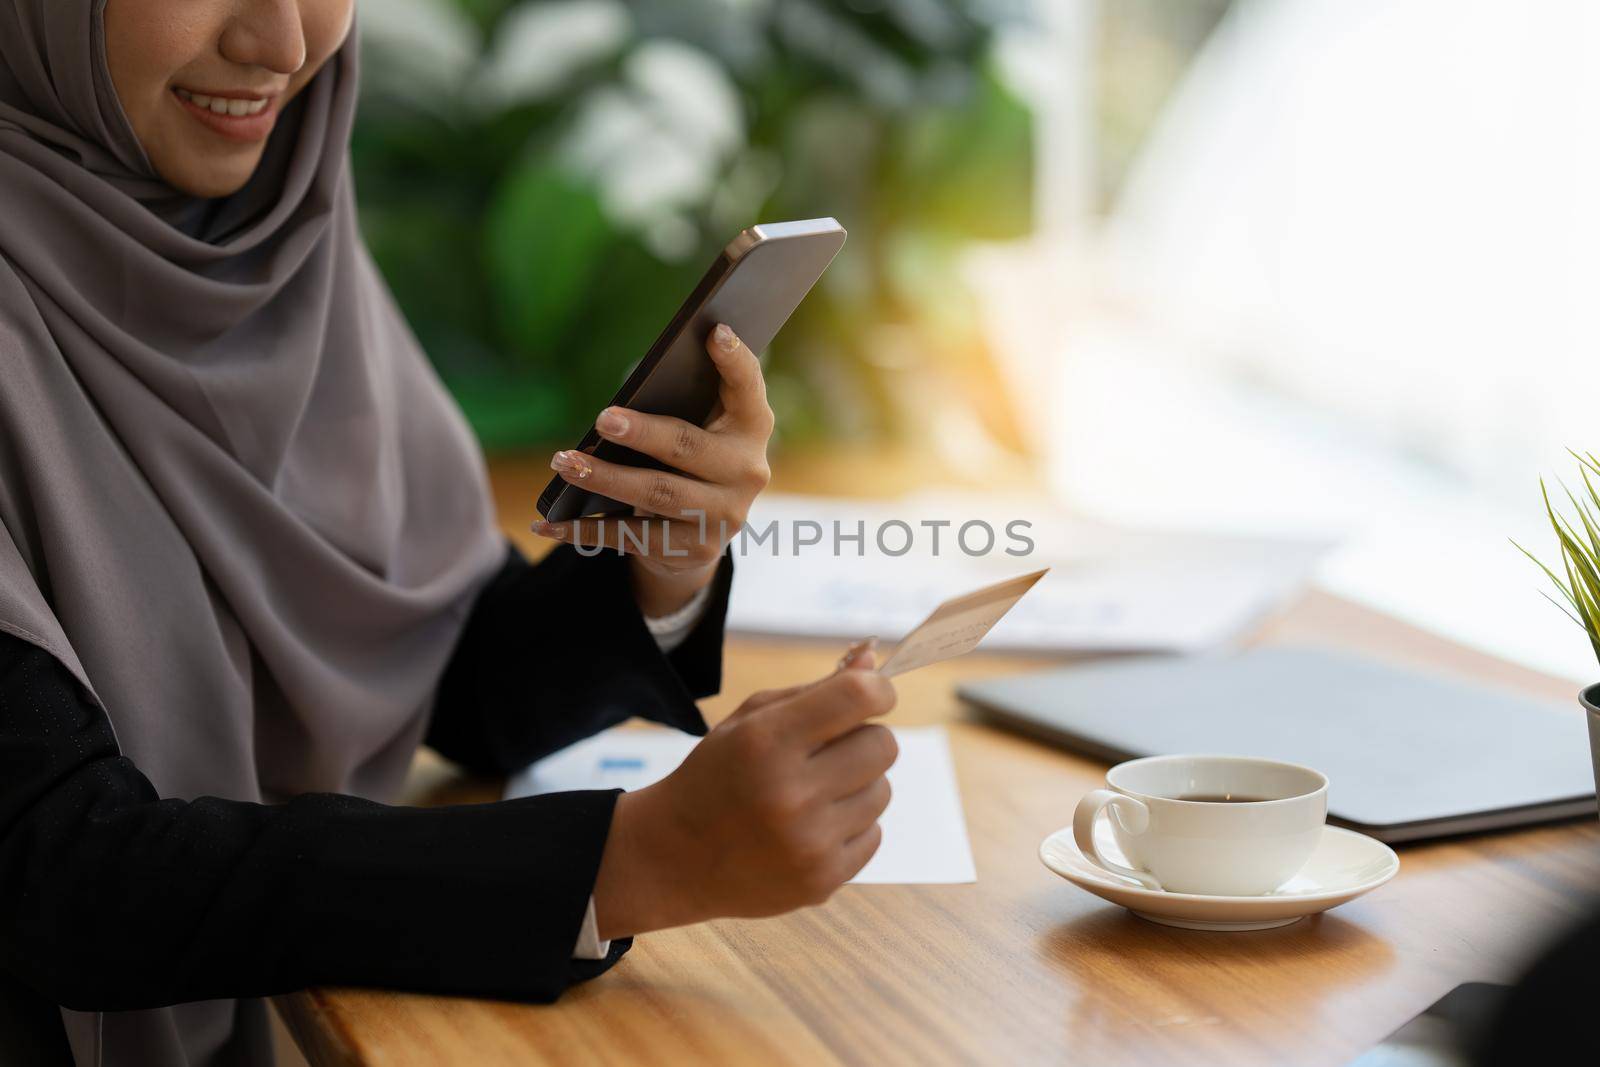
{"x":1020,"y":967}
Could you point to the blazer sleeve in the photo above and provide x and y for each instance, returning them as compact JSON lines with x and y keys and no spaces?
{"x":114,"y":898}
{"x":557,"y":651}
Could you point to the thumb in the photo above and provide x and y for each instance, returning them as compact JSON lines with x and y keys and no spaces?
{"x":762,"y":697}
{"x":858,"y":656}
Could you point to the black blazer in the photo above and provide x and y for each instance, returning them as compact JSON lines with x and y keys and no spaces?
{"x":112,"y":898}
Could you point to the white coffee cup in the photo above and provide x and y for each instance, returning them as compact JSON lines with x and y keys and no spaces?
{"x":1245,"y":845}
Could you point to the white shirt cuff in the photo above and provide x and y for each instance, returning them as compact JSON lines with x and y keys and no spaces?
{"x":589,"y":946}
{"x":672,"y":630}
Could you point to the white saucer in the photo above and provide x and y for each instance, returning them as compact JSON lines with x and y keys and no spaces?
{"x":1344,"y":866}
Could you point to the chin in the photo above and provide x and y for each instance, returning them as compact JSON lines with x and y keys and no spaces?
{"x":211,"y":180}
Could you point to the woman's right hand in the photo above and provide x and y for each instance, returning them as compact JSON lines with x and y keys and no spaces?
{"x":774,"y":810}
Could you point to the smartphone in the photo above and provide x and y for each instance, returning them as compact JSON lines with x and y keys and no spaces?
{"x":754,"y":286}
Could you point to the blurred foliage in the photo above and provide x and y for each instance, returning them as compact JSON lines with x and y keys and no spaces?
{"x":543,"y":182}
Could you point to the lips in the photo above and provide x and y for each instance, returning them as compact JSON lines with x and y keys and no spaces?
{"x":236,"y":116}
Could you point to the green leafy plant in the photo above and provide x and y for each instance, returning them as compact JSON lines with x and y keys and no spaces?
{"x":541,"y":181}
{"x":1580,"y":550}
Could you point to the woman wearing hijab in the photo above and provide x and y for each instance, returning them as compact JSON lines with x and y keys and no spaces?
{"x":248,"y":563}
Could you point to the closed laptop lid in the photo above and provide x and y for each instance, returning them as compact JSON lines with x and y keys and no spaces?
{"x":1404,"y":751}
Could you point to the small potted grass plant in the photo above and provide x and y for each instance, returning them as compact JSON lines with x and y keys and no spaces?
{"x":1579,"y":538}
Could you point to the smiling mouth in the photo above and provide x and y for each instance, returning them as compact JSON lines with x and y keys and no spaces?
{"x":229,"y":107}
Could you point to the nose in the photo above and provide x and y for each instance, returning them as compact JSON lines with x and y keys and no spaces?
{"x":266,"y":33}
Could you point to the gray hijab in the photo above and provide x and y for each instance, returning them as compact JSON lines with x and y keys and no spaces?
{"x":235,"y":501}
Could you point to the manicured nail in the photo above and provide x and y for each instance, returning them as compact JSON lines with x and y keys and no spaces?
{"x":866,"y":644}
{"x":612,"y":423}
{"x":724,"y":337}
{"x":551,"y":530}
{"x":570,"y":462}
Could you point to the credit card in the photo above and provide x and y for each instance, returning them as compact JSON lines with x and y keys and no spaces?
{"x":957,"y":625}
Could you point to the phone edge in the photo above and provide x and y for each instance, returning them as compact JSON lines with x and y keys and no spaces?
{"x":747,"y":240}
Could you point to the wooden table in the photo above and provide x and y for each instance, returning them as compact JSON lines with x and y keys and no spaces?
{"x":1021,"y":967}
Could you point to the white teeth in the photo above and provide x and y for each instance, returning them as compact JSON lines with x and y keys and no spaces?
{"x":221,"y":106}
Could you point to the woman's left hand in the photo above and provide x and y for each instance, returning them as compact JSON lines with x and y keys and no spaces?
{"x":681,"y":521}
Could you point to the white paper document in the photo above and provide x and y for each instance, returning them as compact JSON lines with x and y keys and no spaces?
{"x":619,"y":758}
{"x":835,"y":568}
{"x":924,"y":829}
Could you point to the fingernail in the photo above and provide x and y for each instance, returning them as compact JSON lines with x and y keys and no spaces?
{"x":724,"y":338}
{"x":570,"y":462}
{"x":550,"y":530}
{"x":866,"y":644}
{"x":611,"y":423}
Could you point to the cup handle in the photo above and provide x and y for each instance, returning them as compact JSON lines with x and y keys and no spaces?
{"x":1131,"y":816}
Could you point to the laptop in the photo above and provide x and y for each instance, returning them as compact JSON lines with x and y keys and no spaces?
{"x":1408,"y":755}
